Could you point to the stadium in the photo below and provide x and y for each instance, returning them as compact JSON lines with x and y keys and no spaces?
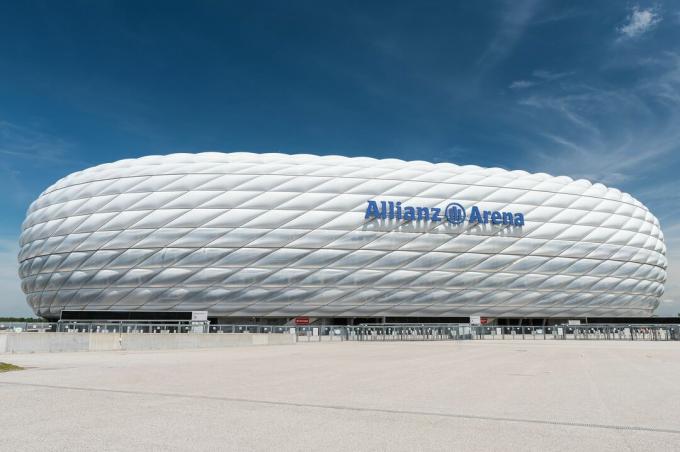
{"x":273,"y":237}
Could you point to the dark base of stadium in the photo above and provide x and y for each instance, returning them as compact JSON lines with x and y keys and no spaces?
{"x":185,"y":316}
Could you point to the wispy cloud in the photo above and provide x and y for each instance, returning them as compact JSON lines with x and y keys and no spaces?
{"x":606,"y":133}
{"x":639,"y":22}
{"x":557,"y":16}
{"x":30,"y":155}
{"x":30,"y":143}
{"x":516,"y":17}
{"x":521,"y":84}
{"x":549,"y":75}
{"x":539,"y":77}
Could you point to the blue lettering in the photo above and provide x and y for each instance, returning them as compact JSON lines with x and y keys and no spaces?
{"x":475,"y":215}
{"x":454,"y":213}
{"x":372,"y":210}
{"x":423,"y":213}
{"x":519,"y":219}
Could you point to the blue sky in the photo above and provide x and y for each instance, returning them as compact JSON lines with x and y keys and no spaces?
{"x":585,"y":89}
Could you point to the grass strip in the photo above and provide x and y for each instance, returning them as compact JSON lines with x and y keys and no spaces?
{"x":7,"y":367}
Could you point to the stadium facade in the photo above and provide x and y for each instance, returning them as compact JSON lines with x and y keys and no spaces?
{"x":282,"y":236}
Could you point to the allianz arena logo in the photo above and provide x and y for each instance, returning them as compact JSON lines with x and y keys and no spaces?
{"x":454,"y":213}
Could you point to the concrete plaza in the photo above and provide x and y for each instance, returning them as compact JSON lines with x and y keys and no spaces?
{"x":473,"y":395}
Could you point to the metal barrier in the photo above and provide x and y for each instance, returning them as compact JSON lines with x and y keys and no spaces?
{"x":608,"y":332}
{"x":424,"y":332}
{"x":132,"y":327}
{"x":19,"y":327}
{"x":373,"y":333}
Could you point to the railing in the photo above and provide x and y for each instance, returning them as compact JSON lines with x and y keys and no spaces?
{"x":27,"y":326}
{"x":132,"y":327}
{"x":380,"y":333}
{"x":372,"y":333}
{"x":410,"y":332}
{"x":580,"y":332}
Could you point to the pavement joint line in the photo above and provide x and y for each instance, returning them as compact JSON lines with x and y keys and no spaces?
{"x":350,"y":408}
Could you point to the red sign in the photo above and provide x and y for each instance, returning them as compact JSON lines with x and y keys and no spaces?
{"x":483,"y":320}
{"x":302,"y":320}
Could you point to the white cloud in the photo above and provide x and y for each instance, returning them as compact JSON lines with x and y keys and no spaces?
{"x":639,"y":22}
{"x":607,"y":134}
{"x":558,"y":16}
{"x":539,"y":77}
{"x":521,"y":84}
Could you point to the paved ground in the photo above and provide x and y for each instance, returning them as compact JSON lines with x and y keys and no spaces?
{"x":519,"y":395}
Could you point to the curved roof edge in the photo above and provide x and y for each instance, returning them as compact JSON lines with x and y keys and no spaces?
{"x":387,"y":163}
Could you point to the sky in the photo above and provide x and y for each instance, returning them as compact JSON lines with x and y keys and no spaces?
{"x":588,"y":89}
